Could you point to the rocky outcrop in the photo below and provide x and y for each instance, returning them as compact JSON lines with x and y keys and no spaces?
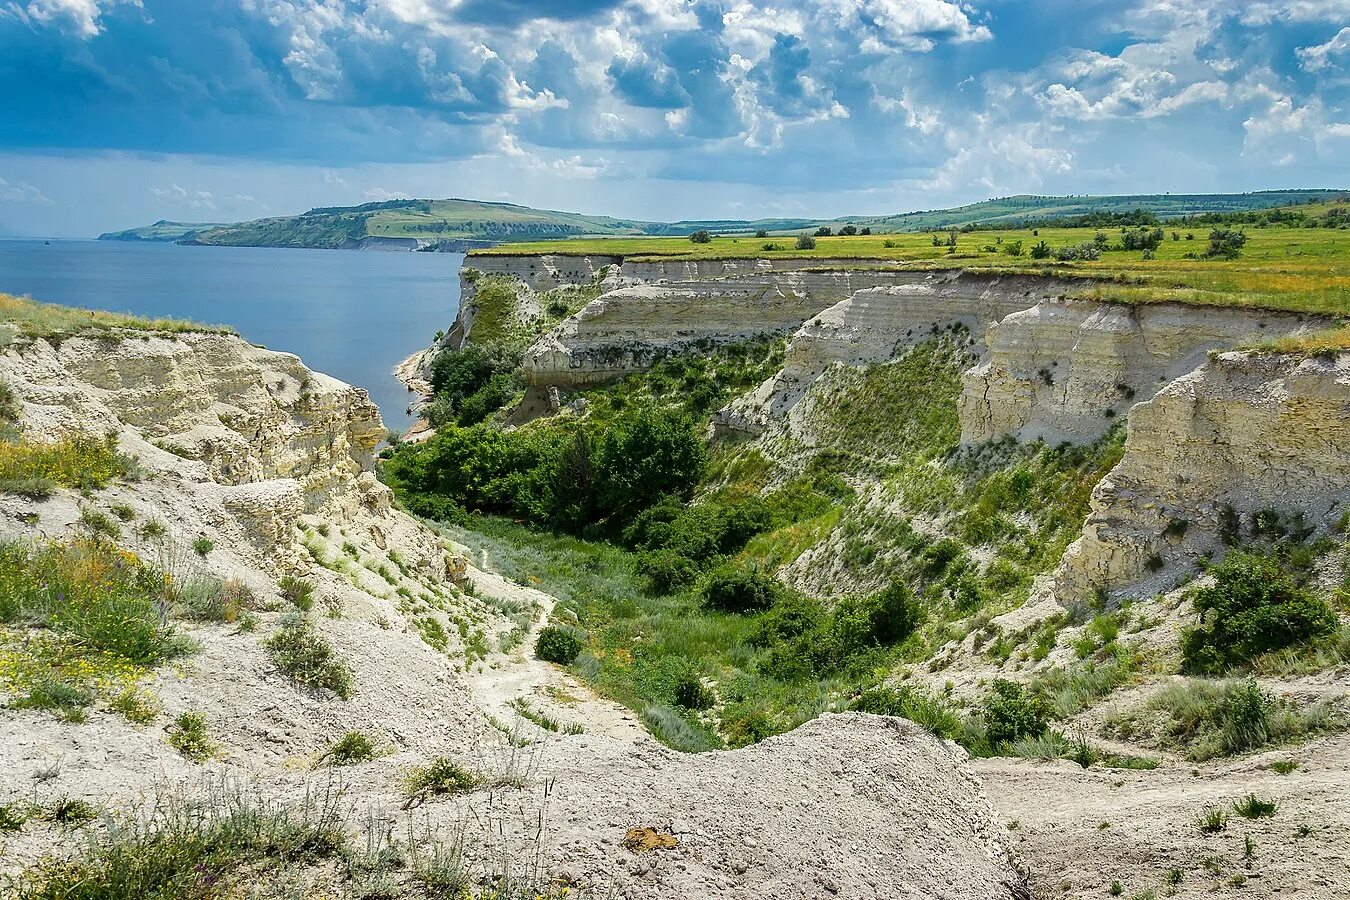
{"x":1063,"y":370}
{"x":1244,"y":432}
{"x":874,"y":324}
{"x":250,"y":440}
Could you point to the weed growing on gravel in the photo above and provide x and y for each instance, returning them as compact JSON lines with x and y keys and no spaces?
{"x":1212,"y":820}
{"x":439,"y":777}
{"x":352,"y":748}
{"x":135,"y":705}
{"x":12,"y":815}
{"x":1284,"y":766}
{"x":189,"y":736}
{"x":66,"y":700}
{"x":69,"y":812}
{"x":301,"y":653}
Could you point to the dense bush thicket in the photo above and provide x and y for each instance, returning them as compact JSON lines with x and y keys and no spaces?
{"x":565,"y":476}
{"x":1254,"y":606}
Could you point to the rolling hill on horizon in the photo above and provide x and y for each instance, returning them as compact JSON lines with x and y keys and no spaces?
{"x":455,"y":222}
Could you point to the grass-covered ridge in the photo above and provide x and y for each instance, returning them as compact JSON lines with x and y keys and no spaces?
{"x":1303,"y":269}
{"x":30,"y":318}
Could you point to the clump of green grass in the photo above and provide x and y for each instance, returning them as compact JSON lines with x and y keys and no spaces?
{"x":1212,"y":820}
{"x":205,"y":598}
{"x":301,"y":653}
{"x":135,"y":705}
{"x":214,"y":847}
{"x":441,"y":776}
{"x":68,"y":701}
{"x":202,"y":546}
{"x":189,"y":736}
{"x":1253,"y":807}
{"x":352,"y":748}
{"x":297,"y":591}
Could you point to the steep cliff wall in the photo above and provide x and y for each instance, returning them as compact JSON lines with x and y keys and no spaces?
{"x":628,"y":329}
{"x":1242,"y":433}
{"x":873,"y":325}
{"x":1062,"y":370}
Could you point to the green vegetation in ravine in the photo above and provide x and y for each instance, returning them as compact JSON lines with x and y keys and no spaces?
{"x":662,"y":550}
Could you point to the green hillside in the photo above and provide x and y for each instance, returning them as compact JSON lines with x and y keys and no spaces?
{"x":1024,"y":207}
{"x":162,"y":231}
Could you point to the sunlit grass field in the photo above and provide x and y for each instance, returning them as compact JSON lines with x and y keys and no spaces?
{"x":1299,"y":269}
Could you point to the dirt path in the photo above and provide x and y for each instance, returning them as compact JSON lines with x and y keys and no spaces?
{"x":525,"y":695}
{"x":1081,"y":830}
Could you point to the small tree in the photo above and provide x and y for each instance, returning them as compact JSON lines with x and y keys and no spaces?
{"x":1041,"y":250}
{"x":865,"y":230}
{"x":1226,"y":243}
{"x":761,"y":233}
{"x":806,"y":242}
{"x":824,"y":231}
{"x":702,"y":236}
{"x":848,"y":230}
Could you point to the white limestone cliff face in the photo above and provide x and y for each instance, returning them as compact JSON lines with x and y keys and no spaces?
{"x":1063,"y":370}
{"x":249,"y":440}
{"x":875,"y":324}
{"x":1247,"y":431}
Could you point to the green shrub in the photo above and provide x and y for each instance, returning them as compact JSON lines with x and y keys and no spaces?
{"x":1011,"y":713}
{"x":102,"y":598}
{"x":1211,"y":719}
{"x":440,"y":777}
{"x":202,"y":546}
{"x":557,"y":644}
{"x":1253,"y":607}
{"x":805,"y":242}
{"x":301,"y":653}
{"x":189,"y":736}
{"x":738,"y":589}
{"x":353,"y":747}
{"x":702,"y":236}
{"x":691,"y":693}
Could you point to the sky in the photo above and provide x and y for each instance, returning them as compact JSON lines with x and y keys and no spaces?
{"x":120,"y":112}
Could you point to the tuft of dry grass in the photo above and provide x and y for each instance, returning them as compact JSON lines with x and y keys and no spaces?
{"x":34,"y":319}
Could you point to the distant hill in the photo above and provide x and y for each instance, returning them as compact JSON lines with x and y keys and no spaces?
{"x":456,"y":223}
{"x":162,"y":231}
{"x":1023,"y":207}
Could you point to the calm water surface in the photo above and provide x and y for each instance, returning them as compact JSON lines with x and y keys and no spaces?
{"x":354,"y":315}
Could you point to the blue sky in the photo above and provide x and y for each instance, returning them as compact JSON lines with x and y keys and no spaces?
{"x":119,"y":112}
